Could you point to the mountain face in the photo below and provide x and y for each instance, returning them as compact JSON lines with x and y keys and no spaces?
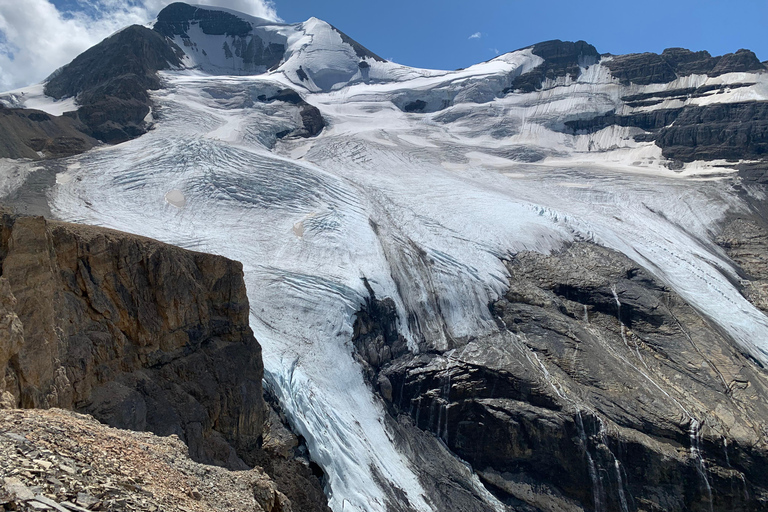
{"x":534,"y":284}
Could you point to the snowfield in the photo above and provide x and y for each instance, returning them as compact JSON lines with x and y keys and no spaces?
{"x":425,"y":206}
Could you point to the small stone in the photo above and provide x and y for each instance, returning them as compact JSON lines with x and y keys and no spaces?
{"x":16,"y":437}
{"x":15,"y":487}
{"x":195,"y":495}
{"x":38,"y":506}
{"x":73,"y":507}
{"x":47,"y":501}
{"x":43,"y":463}
{"x":67,"y":469}
{"x":85,"y":499}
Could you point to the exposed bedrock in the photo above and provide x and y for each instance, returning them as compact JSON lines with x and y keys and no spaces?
{"x":33,"y":134}
{"x":143,"y":336}
{"x":730,"y":131}
{"x":111,"y":82}
{"x":561,"y":58}
{"x":602,"y":390}
{"x":745,"y":240}
{"x":652,"y":68}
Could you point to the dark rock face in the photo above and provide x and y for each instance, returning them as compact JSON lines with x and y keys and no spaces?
{"x":135,"y":51}
{"x":177,"y":18}
{"x":731,"y":131}
{"x":745,"y":240}
{"x":649,"y":121}
{"x":641,"y":68}
{"x":415,"y":106}
{"x":142,"y":335}
{"x":652,"y":68}
{"x":24,"y":133}
{"x":561,"y":58}
{"x":742,"y":60}
{"x":603,"y":390}
{"x":311,"y":119}
{"x":112,"y":79}
{"x":725,"y":130}
{"x":360,"y":50}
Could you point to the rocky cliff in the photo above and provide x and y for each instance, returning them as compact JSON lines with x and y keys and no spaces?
{"x":141,"y":335}
{"x":603,"y":390}
{"x":27,"y":133}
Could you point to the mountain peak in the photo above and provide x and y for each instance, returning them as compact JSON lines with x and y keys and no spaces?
{"x":314,"y":54}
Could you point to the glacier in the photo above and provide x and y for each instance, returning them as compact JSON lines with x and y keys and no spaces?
{"x":425,"y":207}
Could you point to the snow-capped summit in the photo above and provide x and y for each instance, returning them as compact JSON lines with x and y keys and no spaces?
{"x":549,"y":264}
{"x":312,"y":54}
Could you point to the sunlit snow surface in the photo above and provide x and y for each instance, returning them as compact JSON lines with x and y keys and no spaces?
{"x":425,"y":206}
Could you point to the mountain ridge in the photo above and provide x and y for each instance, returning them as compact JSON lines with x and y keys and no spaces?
{"x":549,"y":264}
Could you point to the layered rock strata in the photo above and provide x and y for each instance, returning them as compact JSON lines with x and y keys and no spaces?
{"x":602,"y":390}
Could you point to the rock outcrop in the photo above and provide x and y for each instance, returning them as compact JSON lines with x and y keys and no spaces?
{"x":112,"y":80}
{"x":28,"y":133}
{"x":140,"y":334}
{"x":652,"y":68}
{"x":561,"y":58}
{"x":143,"y":336}
{"x":603,"y":390}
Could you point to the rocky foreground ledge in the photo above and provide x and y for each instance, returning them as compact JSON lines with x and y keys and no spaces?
{"x":63,"y":461}
{"x":142,"y":336}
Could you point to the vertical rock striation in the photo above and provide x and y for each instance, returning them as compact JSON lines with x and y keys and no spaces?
{"x":139,"y":334}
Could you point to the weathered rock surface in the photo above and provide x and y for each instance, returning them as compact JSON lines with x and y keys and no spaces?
{"x":143,"y":336}
{"x":652,"y":68}
{"x":602,"y":390}
{"x":745,"y":241}
{"x":111,"y":82}
{"x":732,"y":131}
{"x":561,"y":58}
{"x":63,"y":461}
{"x":140,"y":334}
{"x":28,"y":133}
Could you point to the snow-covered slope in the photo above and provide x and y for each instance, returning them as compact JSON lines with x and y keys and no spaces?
{"x":422,"y":183}
{"x":312,"y":54}
{"x":378,"y":195}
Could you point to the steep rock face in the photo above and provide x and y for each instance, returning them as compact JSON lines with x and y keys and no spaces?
{"x":140,"y":334}
{"x":721,"y":131}
{"x":257,"y":54}
{"x":111,"y":82}
{"x":746,"y":242}
{"x":27,"y":133}
{"x":603,"y":390}
{"x":652,"y":68}
{"x":561,"y":58}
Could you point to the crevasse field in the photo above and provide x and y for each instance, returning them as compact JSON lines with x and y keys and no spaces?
{"x":424,"y":206}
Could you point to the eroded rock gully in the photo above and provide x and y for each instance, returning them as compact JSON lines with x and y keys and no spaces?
{"x":601,"y":390}
{"x":143,"y":336}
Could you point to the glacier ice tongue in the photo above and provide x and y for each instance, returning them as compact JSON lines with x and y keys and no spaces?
{"x":425,"y":210}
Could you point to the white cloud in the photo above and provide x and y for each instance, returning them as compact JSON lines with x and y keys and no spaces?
{"x":476,"y":35}
{"x":36,"y":38}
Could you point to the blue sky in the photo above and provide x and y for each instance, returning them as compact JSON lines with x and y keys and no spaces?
{"x":38,"y":36}
{"x":435,"y":33}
